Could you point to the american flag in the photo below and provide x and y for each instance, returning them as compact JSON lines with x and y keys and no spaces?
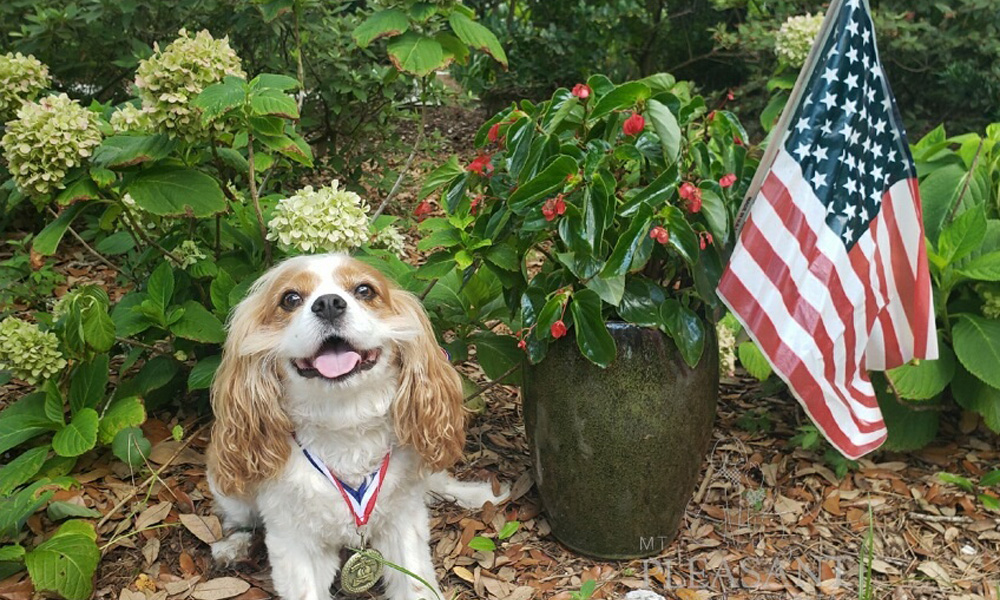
{"x":829,"y":274}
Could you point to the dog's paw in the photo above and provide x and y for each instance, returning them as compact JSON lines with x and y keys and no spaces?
{"x":233,"y":548}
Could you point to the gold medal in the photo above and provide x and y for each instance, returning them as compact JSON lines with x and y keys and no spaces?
{"x":361,"y":571}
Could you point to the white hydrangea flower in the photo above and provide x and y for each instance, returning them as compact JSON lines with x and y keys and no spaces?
{"x":391,"y":239}
{"x":170,"y":79}
{"x":48,"y":138}
{"x":727,"y":348}
{"x":143,"y":219}
{"x":328,"y":219}
{"x":21,"y":79}
{"x":132,"y":119}
{"x":795,"y":38}
{"x":28,"y":352}
{"x":188,"y":253}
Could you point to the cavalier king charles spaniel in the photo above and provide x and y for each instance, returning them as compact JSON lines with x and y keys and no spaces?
{"x":336,"y":415}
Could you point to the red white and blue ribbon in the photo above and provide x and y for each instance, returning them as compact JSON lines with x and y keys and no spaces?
{"x":360,"y":501}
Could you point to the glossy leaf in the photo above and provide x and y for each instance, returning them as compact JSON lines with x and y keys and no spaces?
{"x":626,"y":95}
{"x":592,"y":335}
{"x":641,"y":302}
{"x":977,"y":345}
{"x":79,"y":435}
{"x":686,"y":328}
{"x":666,"y":127}
{"x":177,"y":192}
{"x":547,"y":181}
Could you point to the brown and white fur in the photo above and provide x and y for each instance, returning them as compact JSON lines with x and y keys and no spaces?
{"x":402,"y":394}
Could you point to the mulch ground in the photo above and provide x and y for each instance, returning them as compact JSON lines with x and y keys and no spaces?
{"x":767,"y":520}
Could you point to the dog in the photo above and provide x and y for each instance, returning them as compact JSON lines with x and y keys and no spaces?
{"x":337,"y":414}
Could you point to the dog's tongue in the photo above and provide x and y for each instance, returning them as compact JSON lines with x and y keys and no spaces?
{"x":336,"y":362}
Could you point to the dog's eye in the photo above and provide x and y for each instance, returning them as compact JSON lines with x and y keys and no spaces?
{"x":291,"y":300}
{"x":364,"y":292}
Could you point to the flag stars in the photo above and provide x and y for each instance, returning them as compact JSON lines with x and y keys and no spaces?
{"x":802,"y":125}
{"x":853,"y":28}
{"x":851,"y":81}
{"x":850,"y":107}
{"x":818,"y":180}
{"x":819,"y":153}
{"x":802,"y":151}
{"x":852,"y":55}
{"x":880,"y":126}
{"x":830,"y":75}
{"x":830,"y":100}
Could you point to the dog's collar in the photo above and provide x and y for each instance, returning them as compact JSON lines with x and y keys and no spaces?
{"x":360,"y":501}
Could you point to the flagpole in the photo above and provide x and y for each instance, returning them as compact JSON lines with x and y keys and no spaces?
{"x":778,"y":133}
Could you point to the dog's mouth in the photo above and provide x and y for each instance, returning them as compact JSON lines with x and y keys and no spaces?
{"x":336,"y":360}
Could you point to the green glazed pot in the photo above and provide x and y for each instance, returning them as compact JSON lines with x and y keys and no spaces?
{"x":616,"y":452}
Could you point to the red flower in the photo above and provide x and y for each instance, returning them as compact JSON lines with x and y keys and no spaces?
{"x":494,"y":133}
{"x":581,"y":91}
{"x":474,"y":204}
{"x":634,"y":124}
{"x":710,"y":116}
{"x":730,"y":96}
{"x":481,"y":165}
{"x":554,"y":207}
{"x":727,"y":180}
{"x":422,"y":209}
{"x":660,"y":234}
{"x":558,"y":329}
{"x":704,"y":239}
{"x":737,"y":140}
{"x":523,"y":345}
{"x":690,"y":193}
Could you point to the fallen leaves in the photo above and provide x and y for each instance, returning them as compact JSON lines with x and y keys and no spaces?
{"x":219,"y":588}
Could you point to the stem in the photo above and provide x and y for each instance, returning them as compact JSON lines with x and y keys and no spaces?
{"x":298,"y":55}
{"x":256,"y":200}
{"x":428,"y":289}
{"x":95,"y":253}
{"x":491,"y":384}
{"x":142,"y":234}
{"x":965,"y":186}
{"x":406,"y":166}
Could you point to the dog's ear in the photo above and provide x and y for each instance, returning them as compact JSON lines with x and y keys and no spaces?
{"x":251,"y":431}
{"x":428,"y":409}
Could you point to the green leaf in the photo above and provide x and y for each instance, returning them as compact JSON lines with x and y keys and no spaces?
{"x":666,"y":127}
{"x":122,"y":151}
{"x":123,"y":412}
{"x":687,"y":329}
{"x":654,"y":194}
{"x":989,"y":502}
{"x":908,"y":429}
{"x":683,"y":239}
{"x":963,"y":235}
{"x":990,"y":479}
{"x":127,"y":320}
{"x":641,"y":302}
{"x":65,"y":563}
{"x":220,"y":98}
{"x":496,"y":354}
{"x":482,"y":543}
{"x":973,"y":394}
{"x":938,"y":193}
{"x":222,"y":285}
{"x":12,"y":553}
{"x":177,"y":192}
{"x":415,"y":53}
{"x":23,"y":420}
{"x":445,"y":237}
{"x":201,"y":375}
{"x":552,"y":177}
{"x":77,"y":191}
{"x":273,"y":81}
{"x":47,"y":240}
{"x":79,"y":435}
{"x":131,"y":446}
{"x":509,"y":528}
{"x":714,"y":210}
{"x":477,"y":36}
{"x":754,"y":361}
{"x":15,"y":509}
{"x":957,"y":480}
{"x":926,"y":379}
{"x":98,"y":327}
{"x":294,"y":148}
{"x":610,"y":289}
{"x":440,"y":176}
{"x":384,"y":23}
{"x":118,"y":242}
{"x":504,"y":256}
{"x":22,"y":469}
{"x":630,"y":244}
{"x":272,"y":9}
{"x":199,"y":324}
{"x":160,"y":286}
{"x":60,"y":509}
{"x":274,"y":102}
{"x":86,"y":387}
{"x":985,"y":267}
{"x":626,"y":95}
{"x":592,"y":336}
{"x":454,"y":49}
{"x":977,"y":345}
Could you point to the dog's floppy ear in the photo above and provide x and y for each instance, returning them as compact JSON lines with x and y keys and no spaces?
{"x":428,"y":409}
{"x":251,"y":431}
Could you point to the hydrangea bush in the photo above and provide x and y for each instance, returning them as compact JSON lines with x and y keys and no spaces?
{"x":795,"y":38}
{"x":22,"y":78}
{"x":329,"y":219}
{"x":28,"y":352}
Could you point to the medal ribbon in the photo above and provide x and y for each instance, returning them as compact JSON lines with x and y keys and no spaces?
{"x":360,"y":501}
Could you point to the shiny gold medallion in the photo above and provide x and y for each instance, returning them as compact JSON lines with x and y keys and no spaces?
{"x":361,"y":571}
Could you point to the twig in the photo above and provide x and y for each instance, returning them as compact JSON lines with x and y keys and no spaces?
{"x":940,"y":518}
{"x":300,"y":71}
{"x":256,"y":199}
{"x":152,"y":477}
{"x":95,"y":253}
{"x":132,"y":342}
{"x":965,"y":186}
{"x":142,"y":234}
{"x":491,"y":384}
{"x":427,"y":290}
{"x":406,"y":167}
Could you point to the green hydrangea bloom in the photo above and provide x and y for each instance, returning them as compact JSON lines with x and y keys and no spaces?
{"x":21,"y":79}
{"x":48,"y":138}
{"x":170,"y":79}
{"x":132,"y":119}
{"x":795,"y":38}
{"x":188,"y":253}
{"x":28,"y":352}
{"x":391,"y":239}
{"x":328,"y":219}
{"x":990,"y":293}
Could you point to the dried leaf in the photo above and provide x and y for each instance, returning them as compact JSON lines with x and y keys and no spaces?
{"x":207,"y":529}
{"x":464,"y":574}
{"x":151,"y":551}
{"x":153,"y":515}
{"x":220,"y":588}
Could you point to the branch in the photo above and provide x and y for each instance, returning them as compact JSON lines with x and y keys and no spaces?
{"x":965,"y":186}
{"x":491,"y":384}
{"x":406,"y":167}
{"x":142,"y":234}
{"x":256,"y":199}
{"x":95,"y":253}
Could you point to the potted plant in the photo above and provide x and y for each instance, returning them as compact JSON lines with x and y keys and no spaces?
{"x":606,"y":214}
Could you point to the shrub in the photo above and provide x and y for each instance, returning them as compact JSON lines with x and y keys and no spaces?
{"x":21,"y":78}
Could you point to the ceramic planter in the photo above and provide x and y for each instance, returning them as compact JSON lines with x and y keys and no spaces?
{"x":616,"y":452}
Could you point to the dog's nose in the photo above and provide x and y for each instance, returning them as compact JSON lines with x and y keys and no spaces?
{"x":329,"y":307}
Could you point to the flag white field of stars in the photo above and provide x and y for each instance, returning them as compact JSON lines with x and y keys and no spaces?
{"x":829,"y":275}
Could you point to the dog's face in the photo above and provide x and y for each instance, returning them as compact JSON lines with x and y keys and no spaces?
{"x":328,"y":327}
